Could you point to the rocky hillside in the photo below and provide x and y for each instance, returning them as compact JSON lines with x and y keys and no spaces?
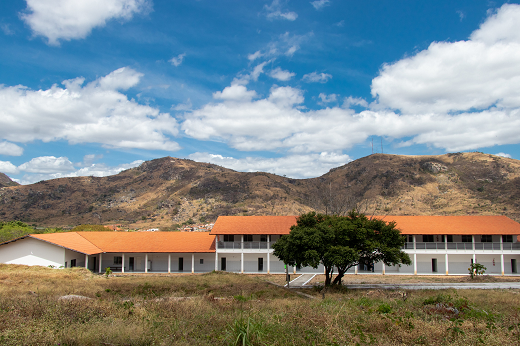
{"x":164,"y":192}
{"x":6,"y":181}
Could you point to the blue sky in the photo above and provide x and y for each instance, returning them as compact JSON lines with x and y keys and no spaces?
{"x":92,"y":87}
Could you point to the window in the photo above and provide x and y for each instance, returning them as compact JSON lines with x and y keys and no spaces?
{"x":229,"y":237}
{"x":466,"y":239}
{"x":427,"y":238}
{"x":263,"y":238}
{"x":118,"y":260}
{"x":248,"y":237}
{"x":409,"y":238}
{"x":449,"y":238}
{"x":507,"y":238}
{"x":202,"y":261}
{"x":72,"y":263}
{"x":486,"y":238}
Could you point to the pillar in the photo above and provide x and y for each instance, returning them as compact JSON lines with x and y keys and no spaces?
{"x":414,"y":259}
{"x":446,"y":242}
{"x":216,"y":261}
{"x":356,"y":269}
{"x":294,"y":270}
{"x":86,"y":261}
{"x":446,"y":261}
{"x":383,"y":269}
{"x":414,"y":242}
{"x":268,"y":260}
{"x":502,"y":262}
{"x":242,"y":263}
{"x":123,"y":263}
{"x":146,"y":263}
{"x":192,"y":263}
{"x":169,"y":263}
{"x":100,"y":262}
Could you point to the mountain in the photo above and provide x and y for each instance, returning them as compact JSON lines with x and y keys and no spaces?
{"x":169,"y":191}
{"x":6,"y":181}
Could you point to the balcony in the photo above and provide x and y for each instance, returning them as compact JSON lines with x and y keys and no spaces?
{"x":462,"y":246}
{"x":248,"y":245}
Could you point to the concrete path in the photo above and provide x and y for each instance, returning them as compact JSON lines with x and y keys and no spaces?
{"x":440,"y":286}
{"x":301,"y":281}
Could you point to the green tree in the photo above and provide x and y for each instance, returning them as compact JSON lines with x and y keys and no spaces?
{"x":341,"y":242}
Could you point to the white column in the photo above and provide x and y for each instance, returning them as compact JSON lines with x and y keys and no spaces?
{"x":192,"y":263}
{"x":100,"y":262}
{"x":86,"y":261}
{"x":414,"y":260}
{"x":474,"y":258}
{"x":146,"y":263}
{"x":383,"y":269}
{"x":446,"y":242}
{"x":414,"y":242}
{"x":473,"y":245}
{"x":169,"y":263}
{"x":446,"y":261}
{"x":294,"y":270}
{"x":502,"y":263}
{"x":123,"y":263}
{"x":216,"y":261}
{"x":501,"y":245}
{"x":268,"y":261}
{"x":356,"y":269}
{"x":242,"y":262}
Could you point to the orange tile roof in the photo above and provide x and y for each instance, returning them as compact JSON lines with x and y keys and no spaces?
{"x":253,"y":224}
{"x":470,"y":224}
{"x":465,"y":224}
{"x":132,"y":242}
{"x":70,"y":240}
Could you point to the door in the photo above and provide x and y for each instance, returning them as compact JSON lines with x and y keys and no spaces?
{"x":93,"y":263}
{"x":513,"y":265}
{"x":223,"y":264}
{"x":131,"y":264}
{"x":181,"y":264}
{"x":434,"y":265}
{"x":260,"y":264}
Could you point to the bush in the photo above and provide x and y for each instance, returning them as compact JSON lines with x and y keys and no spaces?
{"x":476,"y":269}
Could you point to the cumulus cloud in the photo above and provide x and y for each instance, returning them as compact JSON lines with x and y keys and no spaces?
{"x":10,"y":149}
{"x":235,"y":93}
{"x":481,"y":72}
{"x":327,"y":98}
{"x":356,"y":101}
{"x":65,"y":20}
{"x":177,"y":60}
{"x":93,"y":113}
{"x":275,"y":11}
{"x":315,"y":77}
{"x":51,"y":167}
{"x":504,"y":155}
{"x":186,"y":106}
{"x":7,"y":167}
{"x":281,"y":75}
{"x":255,"y":55}
{"x":294,"y":166}
{"x":319,"y":4}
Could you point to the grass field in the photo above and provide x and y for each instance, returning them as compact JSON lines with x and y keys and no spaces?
{"x":227,"y":309}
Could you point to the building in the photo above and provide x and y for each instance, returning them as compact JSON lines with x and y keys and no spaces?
{"x":436,"y":244}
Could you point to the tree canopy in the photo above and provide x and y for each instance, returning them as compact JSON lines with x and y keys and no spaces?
{"x":342,"y":242}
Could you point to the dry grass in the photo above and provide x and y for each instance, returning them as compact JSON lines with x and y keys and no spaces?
{"x":221,"y":308}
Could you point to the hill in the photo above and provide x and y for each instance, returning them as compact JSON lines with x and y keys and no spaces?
{"x":6,"y":181}
{"x":168,"y":191}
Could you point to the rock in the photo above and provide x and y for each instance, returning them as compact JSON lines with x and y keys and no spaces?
{"x":74,"y":297}
{"x":434,"y":167}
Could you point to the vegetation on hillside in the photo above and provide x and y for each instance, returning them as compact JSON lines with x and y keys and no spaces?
{"x":232,"y":309}
{"x":16,"y":229}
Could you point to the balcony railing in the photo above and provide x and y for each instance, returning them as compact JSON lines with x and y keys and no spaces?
{"x":462,"y":246}
{"x":255,"y":245}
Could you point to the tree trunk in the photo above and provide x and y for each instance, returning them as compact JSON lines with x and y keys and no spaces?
{"x":337,"y":280}
{"x":328,"y":276}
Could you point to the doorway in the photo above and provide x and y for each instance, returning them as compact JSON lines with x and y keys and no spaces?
{"x":181,"y":264}
{"x":131,"y":264}
{"x":260,"y":264}
{"x":223,"y":264}
{"x":434,"y":265}
{"x":513,"y":266}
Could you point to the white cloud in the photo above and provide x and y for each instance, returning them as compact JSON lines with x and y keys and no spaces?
{"x":10,"y":149}
{"x":6,"y":28}
{"x":47,"y":165}
{"x":286,"y":44}
{"x":504,"y":155}
{"x":235,"y":93}
{"x":183,"y":106}
{"x":282,"y":75}
{"x":7,"y":167}
{"x":65,"y":20}
{"x":294,"y":166}
{"x":319,"y":4}
{"x":315,"y":77}
{"x":476,"y":74}
{"x":327,"y":98}
{"x":93,"y":113}
{"x":356,"y":101}
{"x":461,"y":15}
{"x":50,"y":167}
{"x":255,"y":55}
{"x":176,"y":61}
{"x":274,"y":11}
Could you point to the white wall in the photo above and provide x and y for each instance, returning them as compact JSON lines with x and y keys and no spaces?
{"x":30,"y":251}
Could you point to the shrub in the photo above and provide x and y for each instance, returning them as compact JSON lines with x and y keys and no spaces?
{"x":476,"y":269}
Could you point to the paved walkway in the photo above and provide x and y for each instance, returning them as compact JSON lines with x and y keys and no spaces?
{"x":301,"y":281}
{"x":440,"y":286}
